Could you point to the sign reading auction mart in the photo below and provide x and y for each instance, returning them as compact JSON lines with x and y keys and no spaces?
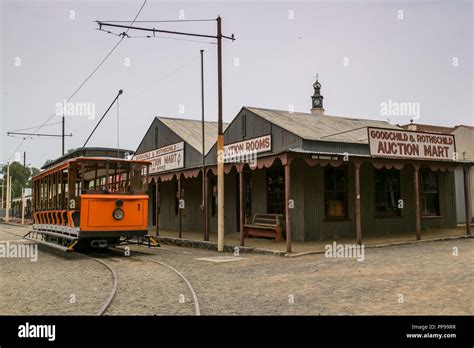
{"x":243,"y":150}
{"x":165,"y":158}
{"x":408,"y":144}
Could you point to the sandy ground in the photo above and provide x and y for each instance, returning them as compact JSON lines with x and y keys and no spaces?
{"x":418,"y":279}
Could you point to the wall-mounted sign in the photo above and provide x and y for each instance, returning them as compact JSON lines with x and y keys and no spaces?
{"x":243,"y":151}
{"x":407,"y":144}
{"x":165,"y":158}
{"x":326,"y":157}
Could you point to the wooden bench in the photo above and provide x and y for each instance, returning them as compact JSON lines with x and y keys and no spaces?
{"x":265,"y":225}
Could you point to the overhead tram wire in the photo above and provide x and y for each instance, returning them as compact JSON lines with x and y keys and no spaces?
{"x":163,"y":78}
{"x":25,"y":129}
{"x":154,"y":36}
{"x":85,"y":81}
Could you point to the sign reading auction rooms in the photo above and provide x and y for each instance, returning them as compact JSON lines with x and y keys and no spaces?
{"x":165,"y":158}
{"x":407,"y":144}
{"x":238,"y":152}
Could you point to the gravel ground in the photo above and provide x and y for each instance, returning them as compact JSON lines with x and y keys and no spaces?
{"x":147,"y":288}
{"x":43,"y":288}
{"x":418,"y":279}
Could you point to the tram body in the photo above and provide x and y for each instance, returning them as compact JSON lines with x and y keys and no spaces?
{"x":90,"y":202}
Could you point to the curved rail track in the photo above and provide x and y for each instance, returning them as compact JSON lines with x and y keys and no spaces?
{"x":113,"y":292}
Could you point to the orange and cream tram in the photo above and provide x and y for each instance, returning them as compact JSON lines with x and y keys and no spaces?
{"x":88,"y":198}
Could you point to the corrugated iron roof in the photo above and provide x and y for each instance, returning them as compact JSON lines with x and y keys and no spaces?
{"x":419,"y":127}
{"x":191,"y":131}
{"x":322,"y":128}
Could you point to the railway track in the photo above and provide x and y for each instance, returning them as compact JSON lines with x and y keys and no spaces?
{"x":15,"y":230}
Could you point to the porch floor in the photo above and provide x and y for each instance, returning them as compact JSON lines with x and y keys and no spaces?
{"x":233,"y":239}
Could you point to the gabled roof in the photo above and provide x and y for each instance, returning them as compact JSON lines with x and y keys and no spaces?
{"x":191,"y":131}
{"x":321,"y":128}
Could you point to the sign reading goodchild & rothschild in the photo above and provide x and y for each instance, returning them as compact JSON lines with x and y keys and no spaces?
{"x":165,"y":158}
{"x":407,"y":144}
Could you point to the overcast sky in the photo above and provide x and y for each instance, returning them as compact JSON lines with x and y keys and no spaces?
{"x":367,"y":53}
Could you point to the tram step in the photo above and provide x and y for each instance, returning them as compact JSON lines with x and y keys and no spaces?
{"x":55,"y":234}
{"x":51,"y":245}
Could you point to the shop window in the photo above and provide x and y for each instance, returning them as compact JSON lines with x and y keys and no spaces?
{"x":387,"y":192}
{"x":176,"y":198}
{"x":429,"y":193}
{"x":214,"y":196}
{"x":335,"y":192}
{"x":275,"y":190}
{"x":248,"y":193}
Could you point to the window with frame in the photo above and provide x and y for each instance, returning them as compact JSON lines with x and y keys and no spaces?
{"x":429,"y":188}
{"x":335,"y":192}
{"x":275,"y":190}
{"x":248,"y":193}
{"x":387,"y":192}
{"x":213,"y":196}
{"x":176,"y":198}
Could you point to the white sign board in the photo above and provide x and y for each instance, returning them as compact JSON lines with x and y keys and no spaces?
{"x":165,"y":158}
{"x":243,"y":150}
{"x":408,"y":144}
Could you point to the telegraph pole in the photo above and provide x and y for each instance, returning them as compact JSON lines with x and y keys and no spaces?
{"x":220,"y":137}
{"x":23,"y":193}
{"x":63,"y":134}
{"x":204,"y":178}
{"x":46,"y":135}
{"x":7,"y":212}
{"x":220,"y":144}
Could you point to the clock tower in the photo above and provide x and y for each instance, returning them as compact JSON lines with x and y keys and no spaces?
{"x":317,"y":99}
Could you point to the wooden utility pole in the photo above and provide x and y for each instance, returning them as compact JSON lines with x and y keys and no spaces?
{"x":220,"y":144}
{"x":63,"y":135}
{"x":204,"y":192}
{"x":7,"y":212}
{"x":23,"y":193}
{"x":220,"y":137}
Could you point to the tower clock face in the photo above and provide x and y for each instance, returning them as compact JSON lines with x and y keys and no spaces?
{"x":316,"y":102}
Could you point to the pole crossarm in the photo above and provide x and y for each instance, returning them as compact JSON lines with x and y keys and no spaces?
{"x":154,"y":30}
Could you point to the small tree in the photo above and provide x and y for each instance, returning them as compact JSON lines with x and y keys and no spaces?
{"x":21,"y":177}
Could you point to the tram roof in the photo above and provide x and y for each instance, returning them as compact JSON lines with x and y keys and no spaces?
{"x":90,"y":152}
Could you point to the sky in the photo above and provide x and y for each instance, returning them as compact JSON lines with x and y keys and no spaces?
{"x":386,"y":60}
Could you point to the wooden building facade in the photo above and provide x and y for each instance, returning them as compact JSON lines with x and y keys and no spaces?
{"x":314,"y":169}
